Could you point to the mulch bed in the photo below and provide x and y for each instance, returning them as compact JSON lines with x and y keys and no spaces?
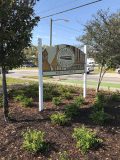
{"x":59,"y":137}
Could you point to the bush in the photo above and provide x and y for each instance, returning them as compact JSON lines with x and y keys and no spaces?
{"x":63,"y":89}
{"x":115,"y":96}
{"x":67,"y":95}
{"x":79,"y":100}
{"x":85,"y":138}
{"x":19,"y":97}
{"x":56,"y":101}
{"x":100,"y":99}
{"x":63,"y":156}
{"x":71,"y":110}
{"x":26,"y":102}
{"x":47,"y":96}
{"x":34,"y":141}
{"x":99,"y":117}
{"x":59,"y":118}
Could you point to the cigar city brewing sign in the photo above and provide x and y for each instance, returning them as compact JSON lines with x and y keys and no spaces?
{"x":62,"y":59}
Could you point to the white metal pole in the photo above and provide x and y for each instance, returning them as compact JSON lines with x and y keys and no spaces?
{"x":85,"y":73}
{"x":40,"y":74}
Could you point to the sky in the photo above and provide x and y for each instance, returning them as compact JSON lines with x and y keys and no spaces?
{"x":66,"y":32}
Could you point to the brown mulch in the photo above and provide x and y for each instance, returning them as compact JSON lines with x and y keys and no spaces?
{"x":59,"y":138}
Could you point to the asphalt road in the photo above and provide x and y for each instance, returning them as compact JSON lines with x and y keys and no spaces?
{"x":108,"y":77}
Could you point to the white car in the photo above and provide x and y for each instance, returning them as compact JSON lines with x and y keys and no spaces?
{"x":90,"y":69}
{"x":118,"y":70}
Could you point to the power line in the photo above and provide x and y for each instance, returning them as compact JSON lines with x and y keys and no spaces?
{"x":58,"y":6}
{"x":71,"y":9}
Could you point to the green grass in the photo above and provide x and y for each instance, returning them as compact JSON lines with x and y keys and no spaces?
{"x":93,"y":83}
{"x":36,"y":77}
{"x":12,"y":81}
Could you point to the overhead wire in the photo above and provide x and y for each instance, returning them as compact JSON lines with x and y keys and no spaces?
{"x":64,"y":11}
{"x":56,"y":7}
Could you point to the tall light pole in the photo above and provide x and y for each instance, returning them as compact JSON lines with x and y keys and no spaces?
{"x":51,"y":24}
{"x":51,"y":32}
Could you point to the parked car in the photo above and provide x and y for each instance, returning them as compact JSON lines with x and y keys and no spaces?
{"x":118,"y":70}
{"x":29,"y":64}
{"x":90,"y":68}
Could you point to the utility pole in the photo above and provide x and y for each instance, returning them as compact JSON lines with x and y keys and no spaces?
{"x":51,"y":32}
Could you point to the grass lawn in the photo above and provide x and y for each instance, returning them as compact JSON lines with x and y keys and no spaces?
{"x":93,"y":83}
{"x":90,"y":83}
{"x":12,"y":81}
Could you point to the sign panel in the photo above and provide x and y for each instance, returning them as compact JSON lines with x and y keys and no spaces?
{"x":62,"y":60}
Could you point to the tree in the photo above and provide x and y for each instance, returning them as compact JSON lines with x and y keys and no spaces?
{"x":102,"y":35}
{"x":17,"y":20}
{"x":31,"y":54}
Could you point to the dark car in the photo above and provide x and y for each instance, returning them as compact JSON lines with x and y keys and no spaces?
{"x":29,"y":64}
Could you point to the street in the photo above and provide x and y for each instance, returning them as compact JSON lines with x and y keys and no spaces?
{"x":108,"y":77}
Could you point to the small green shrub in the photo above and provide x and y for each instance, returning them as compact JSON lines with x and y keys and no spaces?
{"x":79,"y":100}
{"x":19,"y":97}
{"x":99,"y":117}
{"x":67,"y":95}
{"x":71,"y":110}
{"x":59,"y":118}
{"x":56,"y":101}
{"x":115,"y":96}
{"x":85,"y":138}
{"x":26,"y":102}
{"x":100,"y":99}
{"x":47,"y":96}
{"x":33,"y":141}
{"x":62,"y":89}
{"x":63,"y":156}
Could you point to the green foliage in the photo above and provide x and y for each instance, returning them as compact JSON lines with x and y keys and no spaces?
{"x":115,"y":96}
{"x":100,"y":99}
{"x":17,"y":36}
{"x":85,"y":138}
{"x":28,"y":91}
{"x":63,"y":156}
{"x":99,"y":117}
{"x":33,"y":141}
{"x":56,"y":101}
{"x":79,"y":100}
{"x":19,"y":97}
{"x":47,"y":96}
{"x":71,"y":110}
{"x":50,"y":91}
{"x":59,"y":118}
{"x":98,"y":114}
{"x":25,"y":101}
{"x":67,"y":95}
{"x":103,"y":39}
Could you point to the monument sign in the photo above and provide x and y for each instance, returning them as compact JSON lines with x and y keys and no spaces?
{"x":62,"y":60}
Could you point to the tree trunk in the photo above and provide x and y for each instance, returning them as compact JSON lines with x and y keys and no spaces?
{"x":5,"y":95}
{"x":99,"y":81}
